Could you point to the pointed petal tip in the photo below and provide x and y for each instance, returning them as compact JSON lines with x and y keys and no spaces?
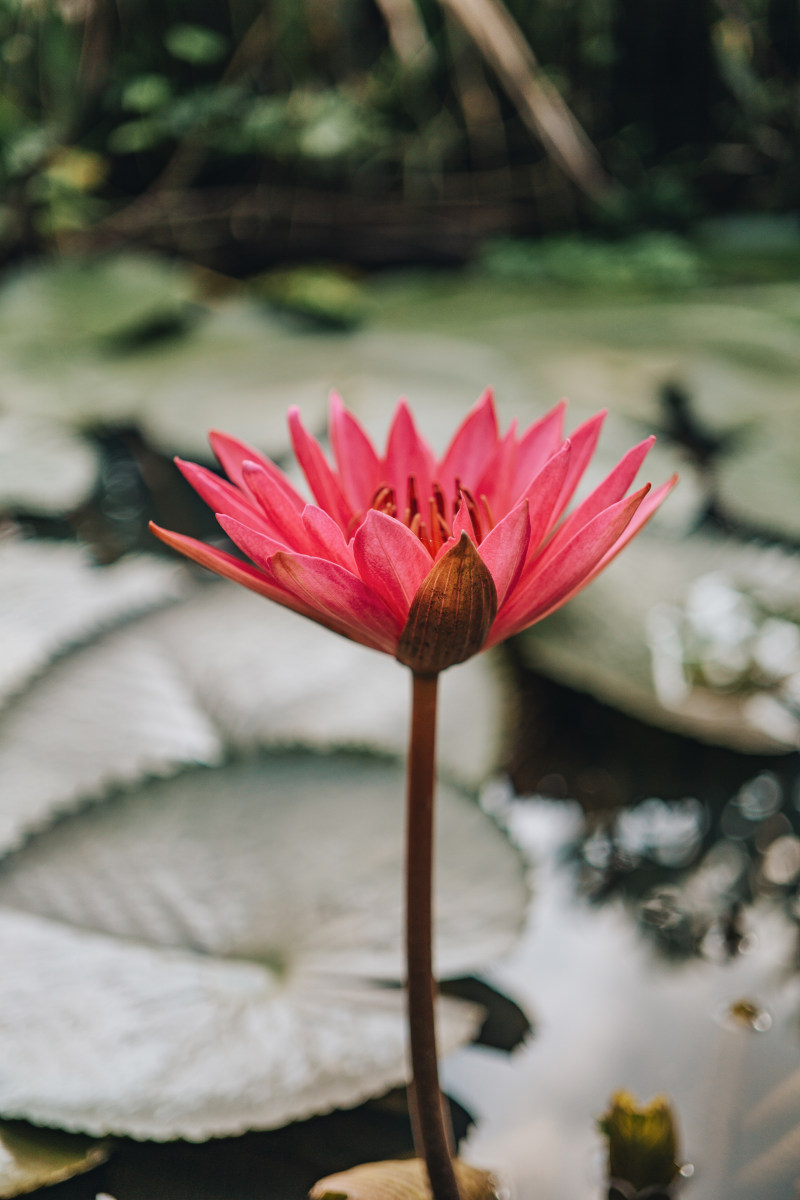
{"x":215,"y":436}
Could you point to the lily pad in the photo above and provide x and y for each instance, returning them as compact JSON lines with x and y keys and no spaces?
{"x":32,"y":1158}
{"x":52,"y":597}
{"x":221,"y":951}
{"x":44,"y":468}
{"x":608,"y":641}
{"x":238,"y":368}
{"x":64,"y":305}
{"x":226,"y":670}
{"x":110,"y":714}
{"x":758,"y":485}
{"x":268,"y":677}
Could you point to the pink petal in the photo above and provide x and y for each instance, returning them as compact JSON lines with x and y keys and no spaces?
{"x":266,"y":585}
{"x":462,"y":523}
{"x":276,"y":504}
{"x":474,"y":443}
{"x":504,"y":549}
{"x":257,"y":546}
{"x":325,"y":539}
{"x":543,"y":590}
{"x":321,"y":479}
{"x":232,"y":454}
{"x":219,"y":494}
{"x":392,"y":560}
{"x":538,"y":443}
{"x":613,"y":488}
{"x":335,"y":595}
{"x":584,"y":442}
{"x":497,"y":479}
{"x":545,"y":493}
{"x":226,"y":565}
{"x":644,"y":512}
{"x":360,"y":469}
{"x":407,"y":453}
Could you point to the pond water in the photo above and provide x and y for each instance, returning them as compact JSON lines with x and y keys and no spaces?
{"x":610,"y":1013}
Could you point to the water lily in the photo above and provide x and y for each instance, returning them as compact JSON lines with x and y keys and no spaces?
{"x":431,"y":560}
{"x":357,"y":559}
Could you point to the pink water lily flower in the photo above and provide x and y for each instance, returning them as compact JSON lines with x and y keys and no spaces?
{"x":431,"y":560}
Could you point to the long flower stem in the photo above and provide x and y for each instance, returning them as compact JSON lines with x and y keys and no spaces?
{"x":431,"y":1126}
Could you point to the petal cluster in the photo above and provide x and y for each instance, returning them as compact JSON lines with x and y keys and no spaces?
{"x":356,"y":557}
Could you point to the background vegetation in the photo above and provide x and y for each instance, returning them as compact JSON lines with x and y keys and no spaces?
{"x":388,"y":130}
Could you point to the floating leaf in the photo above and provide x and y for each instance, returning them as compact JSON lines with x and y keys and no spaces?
{"x":402,"y":1179}
{"x":229,"y":670}
{"x":33,"y":1158}
{"x":219,"y":947}
{"x":758,"y":485}
{"x":111,"y":714}
{"x":52,"y":597}
{"x":44,"y":468}
{"x":268,"y":677}
{"x":610,"y":642}
{"x":53,"y":310}
{"x":238,"y":369}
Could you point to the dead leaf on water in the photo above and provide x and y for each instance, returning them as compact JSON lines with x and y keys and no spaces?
{"x":401,"y":1179}
{"x":31,"y":1158}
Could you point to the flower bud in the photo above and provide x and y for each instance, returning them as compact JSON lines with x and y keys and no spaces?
{"x":451,"y":614}
{"x":642,"y":1142}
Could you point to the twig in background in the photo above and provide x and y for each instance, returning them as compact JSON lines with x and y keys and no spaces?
{"x":503,"y":45}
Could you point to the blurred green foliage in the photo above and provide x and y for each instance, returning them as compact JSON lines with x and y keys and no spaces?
{"x":693,"y":105}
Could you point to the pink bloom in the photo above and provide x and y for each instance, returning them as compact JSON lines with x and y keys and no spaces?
{"x":357,"y":559}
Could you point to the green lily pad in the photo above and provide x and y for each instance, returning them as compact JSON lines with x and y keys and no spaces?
{"x":44,"y":468}
{"x":65,"y":305}
{"x":226,"y":669}
{"x":612,"y":641}
{"x":52,"y":597}
{"x":221,"y":951}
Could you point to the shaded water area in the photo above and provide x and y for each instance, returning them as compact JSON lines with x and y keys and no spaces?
{"x":654,"y":793}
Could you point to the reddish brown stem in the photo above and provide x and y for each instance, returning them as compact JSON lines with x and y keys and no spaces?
{"x":431,"y":1126}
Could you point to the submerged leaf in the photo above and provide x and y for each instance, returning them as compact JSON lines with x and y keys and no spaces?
{"x":224,"y":948}
{"x":402,"y":1179}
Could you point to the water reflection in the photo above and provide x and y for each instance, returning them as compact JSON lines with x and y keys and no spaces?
{"x":715,"y":1029}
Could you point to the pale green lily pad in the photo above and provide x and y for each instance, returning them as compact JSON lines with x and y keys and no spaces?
{"x":759,"y":485}
{"x":211,"y":954}
{"x":225,"y":669}
{"x":270,"y":678}
{"x":33,"y":1158}
{"x":68,"y":304}
{"x":109,"y":714}
{"x":239,"y":369}
{"x":44,"y":468}
{"x":52,"y":597}
{"x":602,"y":641}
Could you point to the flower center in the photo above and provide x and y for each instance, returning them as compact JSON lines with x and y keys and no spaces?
{"x":431,"y":520}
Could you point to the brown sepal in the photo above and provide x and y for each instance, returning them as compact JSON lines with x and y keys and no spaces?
{"x":451,"y":614}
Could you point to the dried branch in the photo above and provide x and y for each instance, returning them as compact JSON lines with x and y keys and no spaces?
{"x":503,"y":45}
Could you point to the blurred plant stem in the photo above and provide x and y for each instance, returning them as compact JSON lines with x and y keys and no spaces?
{"x":432,"y":1134}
